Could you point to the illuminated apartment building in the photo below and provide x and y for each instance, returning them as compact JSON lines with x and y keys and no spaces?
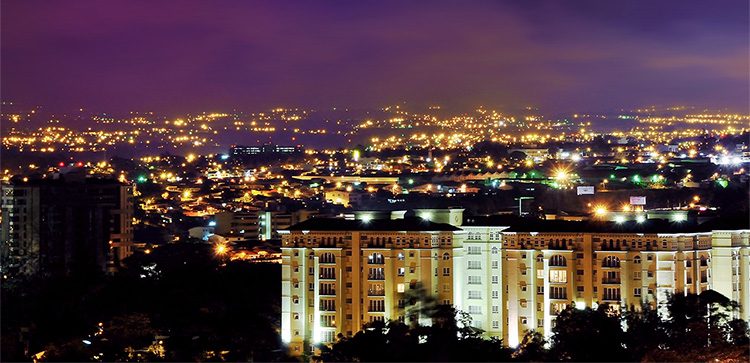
{"x":510,"y":277}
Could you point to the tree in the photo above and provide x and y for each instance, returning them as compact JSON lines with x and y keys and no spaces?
{"x":588,"y":335}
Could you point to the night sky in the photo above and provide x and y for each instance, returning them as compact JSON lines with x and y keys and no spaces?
{"x":185,"y":56}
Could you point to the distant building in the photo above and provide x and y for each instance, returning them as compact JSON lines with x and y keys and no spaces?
{"x":339,"y":274}
{"x":242,"y":224}
{"x":66,"y":224}
{"x":271,"y":222}
{"x":266,"y":150}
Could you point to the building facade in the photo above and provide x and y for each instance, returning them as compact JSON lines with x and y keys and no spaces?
{"x":338,"y":275}
{"x":65,"y":224}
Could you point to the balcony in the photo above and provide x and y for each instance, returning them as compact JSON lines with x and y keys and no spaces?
{"x":328,"y":292}
{"x":611,"y":297}
{"x":375,"y":292}
{"x":377,"y":277}
{"x":611,"y":280}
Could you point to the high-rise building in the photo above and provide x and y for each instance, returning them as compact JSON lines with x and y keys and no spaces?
{"x":510,"y":277}
{"x":65,"y":224}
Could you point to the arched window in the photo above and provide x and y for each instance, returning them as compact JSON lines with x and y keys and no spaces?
{"x":557,"y":260}
{"x":494,"y":250}
{"x":637,"y":259}
{"x":446,"y":256}
{"x":704,"y":262}
{"x":311,"y":255}
{"x":539,"y":258}
{"x":327,"y":258}
{"x":611,"y":261}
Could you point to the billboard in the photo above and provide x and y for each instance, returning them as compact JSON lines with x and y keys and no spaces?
{"x":638,"y":200}
{"x":585,"y":190}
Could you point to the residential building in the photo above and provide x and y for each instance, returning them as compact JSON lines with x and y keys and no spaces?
{"x":65,"y":224}
{"x":512,"y":277}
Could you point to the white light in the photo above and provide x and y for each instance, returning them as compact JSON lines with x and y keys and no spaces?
{"x":619,"y":219}
{"x":212,"y":224}
{"x":366,"y":218}
{"x":678,"y":217}
{"x":426,"y":216}
{"x":580,"y":305}
{"x":640,"y":219}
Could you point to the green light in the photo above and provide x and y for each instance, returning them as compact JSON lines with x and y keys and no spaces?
{"x":411,"y":181}
{"x":655,"y":178}
{"x":142,"y":179}
{"x":636,"y":178}
{"x":723,"y":182}
{"x":611,"y":176}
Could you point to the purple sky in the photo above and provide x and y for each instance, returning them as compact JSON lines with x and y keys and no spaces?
{"x":183,"y":56}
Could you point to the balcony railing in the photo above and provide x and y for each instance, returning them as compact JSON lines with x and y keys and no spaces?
{"x":610,"y":280}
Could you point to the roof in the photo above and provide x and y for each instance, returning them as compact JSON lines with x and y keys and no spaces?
{"x":517,"y":224}
{"x":339,"y":224}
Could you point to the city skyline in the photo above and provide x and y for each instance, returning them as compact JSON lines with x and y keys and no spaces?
{"x":117,"y":57}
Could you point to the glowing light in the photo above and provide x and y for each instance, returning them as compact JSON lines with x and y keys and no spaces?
{"x":619,"y":219}
{"x":220,"y":249}
{"x":640,"y":219}
{"x":600,"y":210}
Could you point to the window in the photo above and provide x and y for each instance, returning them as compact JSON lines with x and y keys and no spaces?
{"x":637,"y":291}
{"x":327,"y":258}
{"x":558,"y":276}
{"x":376,"y":306}
{"x":446,"y":256}
{"x":540,"y":289}
{"x":558,"y":292}
{"x":495,"y":309}
{"x":650,"y":274}
{"x":327,"y":305}
{"x":475,"y":280}
{"x":650,"y":257}
{"x":540,"y":274}
{"x":557,"y":260}
{"x":523,"y":320}
{"x":475,"y":265}
{"x":474,"y":309}
{"x":495,"y":264}
{"x":611,"y":293}
{"x":494,"y":250}
{"x":400,"y":256}
{"x":376,"y":259}
{"x":611,"y":261}
{"x":495,"y":324}
{"x":401,"y":271}
{"x":637,"y":259}
{"x":636,"y":275}
{"x":376,"y":274}
{"x":475,"y":294}
{"x":495,"y":279}
{"x":446,"y":271}
{"x":327,"y":273}
{"x":495,"y":294}
{"x":474,"y":250}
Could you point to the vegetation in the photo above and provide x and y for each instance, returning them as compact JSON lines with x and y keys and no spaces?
{"x":182,"y":303}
